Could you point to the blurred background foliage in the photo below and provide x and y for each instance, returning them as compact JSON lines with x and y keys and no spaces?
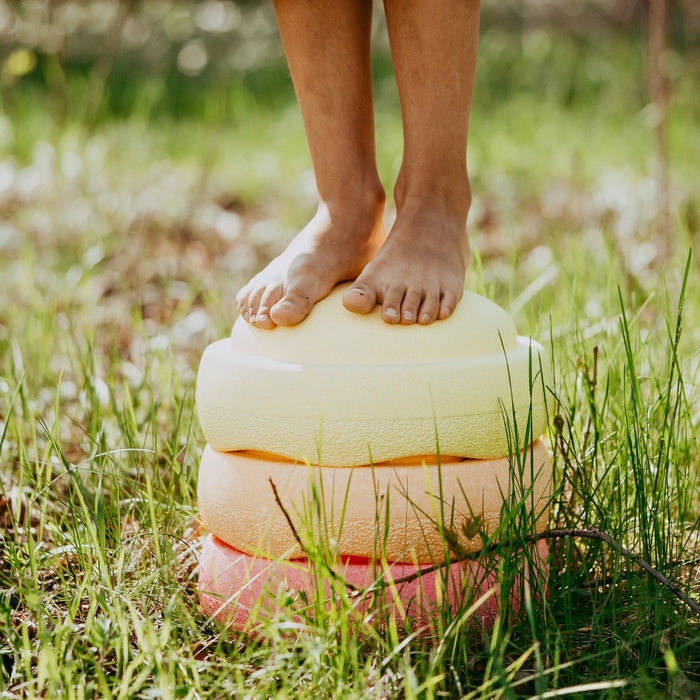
{"x":164,"y":53}
{"x":113,"y":57}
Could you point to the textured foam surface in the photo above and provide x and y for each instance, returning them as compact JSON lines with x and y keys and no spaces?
{"x":232,"y":584}
{"x":343,"y":389}
{"x":353,"y":504}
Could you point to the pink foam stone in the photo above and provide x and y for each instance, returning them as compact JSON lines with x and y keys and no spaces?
{"x":238,"y":589}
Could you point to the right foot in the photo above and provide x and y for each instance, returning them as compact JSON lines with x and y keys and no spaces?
{"x":418,"y":275}
{"x":333,"y":247}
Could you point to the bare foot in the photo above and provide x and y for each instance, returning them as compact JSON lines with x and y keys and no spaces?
{"x":334,"y":246}
{"x":418,"y":274}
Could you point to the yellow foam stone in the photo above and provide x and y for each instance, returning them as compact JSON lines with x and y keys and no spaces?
{"x":424,"y":504}
{"x":344,"y":389}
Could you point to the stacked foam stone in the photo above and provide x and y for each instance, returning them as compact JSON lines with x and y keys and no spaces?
{"x":346,"y":416}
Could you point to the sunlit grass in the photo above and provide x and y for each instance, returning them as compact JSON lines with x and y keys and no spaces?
{"x":121,"y":248}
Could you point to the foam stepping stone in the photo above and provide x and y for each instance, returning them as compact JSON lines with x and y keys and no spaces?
{"x":235,"y":587}
{"x":344,"y":389}
{"x":401,"y":510}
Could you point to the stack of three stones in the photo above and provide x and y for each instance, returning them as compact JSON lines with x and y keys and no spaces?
{"x":392,"y":448}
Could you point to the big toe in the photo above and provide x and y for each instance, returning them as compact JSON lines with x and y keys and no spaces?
{"x":291,"y":309}
{"x":360,"y":298}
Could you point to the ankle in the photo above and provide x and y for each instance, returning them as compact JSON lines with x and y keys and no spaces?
{"x":448,"y":190}
{"x":364,"y":202}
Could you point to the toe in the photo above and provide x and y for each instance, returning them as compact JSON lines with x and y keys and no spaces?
{"x":292,"y":308}
{"x":244,"y":311}
{"x":254,"y":298}
{"x":360,"y":297}
{"x":391,"y":306}
{"x":409,"y":307}
{"x":262,"y":319}
{"x":448,"y":302}
{"x":243,"y":303}
{"x":429,"y":308}
{"x":269,"y":298}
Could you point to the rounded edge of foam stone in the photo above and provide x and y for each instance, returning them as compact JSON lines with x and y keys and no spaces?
{"x":237,"y":503}
{"x":332,"y":334}
{"x":345,"y":415}
{"x":240,"y":590}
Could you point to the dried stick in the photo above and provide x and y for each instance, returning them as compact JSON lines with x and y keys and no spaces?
{"x":589,"y":533}
{"x":286,"y":515}
{"x":334,"y":575}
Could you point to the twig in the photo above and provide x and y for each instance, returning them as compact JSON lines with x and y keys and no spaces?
{"x":559,"y":425}
{"x":589,"y":533}
{"x":286,"y":515}
{"x":683,"y":564}
{"x":334,"y":574}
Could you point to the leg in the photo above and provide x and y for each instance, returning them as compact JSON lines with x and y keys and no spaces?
{"x":418,"y":275}
{"x":327,"y":45}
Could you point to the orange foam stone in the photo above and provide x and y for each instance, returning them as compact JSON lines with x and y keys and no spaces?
{"x":347,"y":389}
{"x":237,"y":588}
{"x":397,"y":510}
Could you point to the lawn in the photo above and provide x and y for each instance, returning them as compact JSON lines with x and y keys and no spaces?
{"x":133,"y":205}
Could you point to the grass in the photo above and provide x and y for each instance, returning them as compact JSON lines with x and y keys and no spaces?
{"x":122,"y":247}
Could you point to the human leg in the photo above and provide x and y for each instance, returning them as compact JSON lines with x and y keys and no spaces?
{"x":327,"y":45}
{"x":418,"y":275}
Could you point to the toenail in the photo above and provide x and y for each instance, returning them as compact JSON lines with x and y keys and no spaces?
{"x":261,"y":318}
{"x":359,"y":291}
{"x":425,"y":318}
{"x":392,"y":313}
{"x":408,"y":315}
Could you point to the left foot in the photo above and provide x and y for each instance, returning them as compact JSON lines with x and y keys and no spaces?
{"x":418,"y":274}
{"x":334,"y":246}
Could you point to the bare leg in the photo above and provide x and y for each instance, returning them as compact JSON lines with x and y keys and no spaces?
{"x":418,"y":275}
{"x":328,"y":50}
